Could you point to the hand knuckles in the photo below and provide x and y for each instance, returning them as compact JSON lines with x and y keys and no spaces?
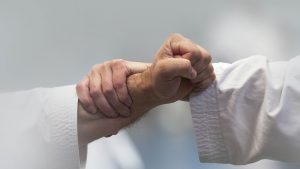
{"x":96,"y":67}
{"x":79,"y":87}
{"x":207,"y":58}
{"x":118,"y":62}
{"x":194,"y":50}
{"x":213,"y":77}
{"x":211,"y":67}
{"x":175,"y":36}
{"x":119,"y":65}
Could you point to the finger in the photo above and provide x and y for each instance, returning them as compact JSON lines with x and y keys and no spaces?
{"x":84,"y":115}
{"x":200,"y":66}
{"x":109,"y":91}
{"x":121,"y":69}
{"x":83,"y":94}
{"x":191,"y":51}
{"x":206,"y":57}
{"x":98,"y":96}
{"x":205,"y":84}
{"x":166,"y":50}
{"x":132,"y":68}
{"x":137,"y":67}
{"x":119,"y":78}
{"x":175,"y":67}
{"x":204,"y":74}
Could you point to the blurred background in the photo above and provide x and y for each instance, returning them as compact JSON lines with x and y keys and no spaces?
{"x":48,"y":43}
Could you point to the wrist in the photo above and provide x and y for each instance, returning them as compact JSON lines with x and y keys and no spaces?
{"x":141,"y":89}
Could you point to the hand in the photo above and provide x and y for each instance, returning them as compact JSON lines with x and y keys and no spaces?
{"x":172,"y":77}
{"x":103,"y":93}
{"x":104,"y":88}
{"x":180,"y":66}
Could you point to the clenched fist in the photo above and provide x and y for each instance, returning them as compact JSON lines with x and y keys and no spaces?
{"x":180,"y":66}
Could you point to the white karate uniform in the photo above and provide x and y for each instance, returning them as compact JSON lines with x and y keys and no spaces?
{"x":251,"y":112}
{"x":39,"y":129}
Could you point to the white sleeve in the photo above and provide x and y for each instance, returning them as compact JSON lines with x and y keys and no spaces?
{"x":38,"y":129}
{"x":251,"y":112}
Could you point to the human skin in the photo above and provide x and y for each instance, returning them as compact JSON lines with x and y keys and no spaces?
{"x":104,"y":88}
{"x":180,"y":66}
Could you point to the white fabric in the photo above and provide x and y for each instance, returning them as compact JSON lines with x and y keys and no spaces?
{"x":115,"y":152}
{"x":251,"y":112}
{"x":39,"y":129}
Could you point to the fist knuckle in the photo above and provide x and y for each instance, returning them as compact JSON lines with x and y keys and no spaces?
{"x":174,"y":36}
{"x":213,"y":77}
{"x":210,"y":69}
{"x":207,"y":57}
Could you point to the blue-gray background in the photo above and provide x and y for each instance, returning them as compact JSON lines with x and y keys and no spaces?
{"x":55,"y":42}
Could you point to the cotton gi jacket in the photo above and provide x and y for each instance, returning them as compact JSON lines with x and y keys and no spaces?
{"x":251,"y":112}
{"x":39,"y":129}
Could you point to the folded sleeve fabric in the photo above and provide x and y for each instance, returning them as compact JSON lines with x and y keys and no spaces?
{"x":39,"y":129}
{"x":251,"y":112}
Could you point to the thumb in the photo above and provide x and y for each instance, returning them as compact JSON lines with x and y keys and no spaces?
{"x":171,"y":68}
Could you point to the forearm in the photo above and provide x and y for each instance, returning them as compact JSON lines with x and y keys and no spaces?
{"x":142,"y":94}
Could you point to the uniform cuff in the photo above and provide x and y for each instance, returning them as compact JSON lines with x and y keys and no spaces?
{"x":206,"y":120}
{"x":61,"y":118}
